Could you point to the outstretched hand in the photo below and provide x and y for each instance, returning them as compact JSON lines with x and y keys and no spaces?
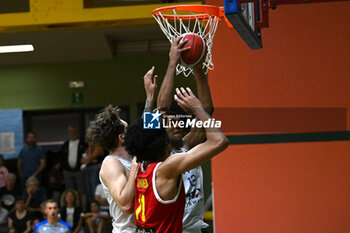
{"x":187,"y":100}
{"x":150,"y":83}
{"x":177,"y":48}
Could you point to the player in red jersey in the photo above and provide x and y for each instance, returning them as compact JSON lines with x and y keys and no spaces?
{"x":159,"y":197}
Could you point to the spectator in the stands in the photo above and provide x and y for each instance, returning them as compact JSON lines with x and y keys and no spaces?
{"x":71,"y":211}
{"x":3,"y":172}
{"x":9,"y":193}
{"x":20,"y":218}
{"x":33,"y":223}
{"x":53,"y":224}
{"x":93,"y":162}
{"x":100,"y":197}
{"x":96,"y":219}
{"x":31,"y":161}
{"x":71,"y":154}
{"x":55,"y":182}
{"x":35,"y":196}
{"x":3,"y":219}
{"x":41,"y":216}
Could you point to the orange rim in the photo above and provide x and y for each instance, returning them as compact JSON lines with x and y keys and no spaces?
{"x":202,"y":10}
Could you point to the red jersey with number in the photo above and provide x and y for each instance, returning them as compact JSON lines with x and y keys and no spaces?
{"x":153,"y":214}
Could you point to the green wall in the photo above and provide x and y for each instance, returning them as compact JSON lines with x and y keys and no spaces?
{"x":45,"y":86}
{"x":118,"y":81}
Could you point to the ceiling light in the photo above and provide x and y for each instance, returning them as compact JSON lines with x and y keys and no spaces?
{"x":16,"y":48}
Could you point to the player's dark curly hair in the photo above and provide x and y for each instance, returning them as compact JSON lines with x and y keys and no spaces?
{"x":145,"y":144}
{"x":106,"y":127}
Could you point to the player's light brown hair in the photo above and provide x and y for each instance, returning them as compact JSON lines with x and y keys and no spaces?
{"x":106,"y":128}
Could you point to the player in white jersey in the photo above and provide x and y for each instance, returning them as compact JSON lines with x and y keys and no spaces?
{"x":194,"y":207}
{"x":118,"y":172}
{"x":193,"y":179}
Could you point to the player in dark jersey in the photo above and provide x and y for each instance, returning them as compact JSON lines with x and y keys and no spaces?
{"x":159,"y":197}
{"x":182,"y":141}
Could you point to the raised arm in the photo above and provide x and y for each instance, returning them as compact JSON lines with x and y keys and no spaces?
{"x":215,"y":143}
{"x":196,"y":136}
{"x":166,"y":92}
{"x":120,"y":184}
{"x":150,"y":83}
{"x":203,"y":89}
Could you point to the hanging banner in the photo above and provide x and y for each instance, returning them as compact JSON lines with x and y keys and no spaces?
{"x":11,"y":133}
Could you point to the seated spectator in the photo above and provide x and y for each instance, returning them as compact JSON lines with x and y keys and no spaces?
{"x":35,"y":196}
{"x":20,"y":218}
{"x":33,"y":223}
{"x":96,"y":219}
{"x":3,"y":219}
{"x":71,"y":211}
{"x":9,"y":193}
{"x":52,"y":224}
{"x":41,"y":216}
{"x":101,"y":198}
{"x":3,"y":172}
{"x":56,"y":181}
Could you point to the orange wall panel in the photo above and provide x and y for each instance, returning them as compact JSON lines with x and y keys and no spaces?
{"x":305,"y":62}
{"x":289,"y":188}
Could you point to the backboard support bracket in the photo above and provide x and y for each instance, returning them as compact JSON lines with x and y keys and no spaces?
{"x":249,"y":16}
{"x":248,"y":35}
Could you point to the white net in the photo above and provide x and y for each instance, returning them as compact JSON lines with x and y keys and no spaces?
{"x":205,"y":27}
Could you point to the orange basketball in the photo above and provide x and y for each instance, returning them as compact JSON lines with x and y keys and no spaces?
{"x":196,"y":52}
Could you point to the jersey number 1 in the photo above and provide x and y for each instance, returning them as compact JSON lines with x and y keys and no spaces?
{"x":141,"y":208}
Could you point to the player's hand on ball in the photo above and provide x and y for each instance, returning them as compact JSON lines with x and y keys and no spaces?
{"x":176,"y":49}
{"x":187,"y":100}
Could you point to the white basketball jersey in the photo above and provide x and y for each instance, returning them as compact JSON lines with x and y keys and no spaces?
{"x":121,"y":222}
{"x":194,"y":208}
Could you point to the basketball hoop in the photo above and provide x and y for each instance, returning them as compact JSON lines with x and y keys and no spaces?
{"x":200,"y":19}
